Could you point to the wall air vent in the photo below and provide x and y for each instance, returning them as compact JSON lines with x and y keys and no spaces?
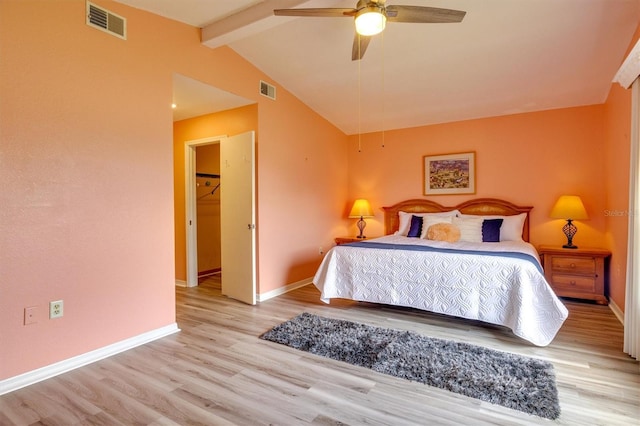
{"x":104,"y":20}
{"x":267,"y":90}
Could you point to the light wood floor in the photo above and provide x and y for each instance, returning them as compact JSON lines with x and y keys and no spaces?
{"x":216,"y":372}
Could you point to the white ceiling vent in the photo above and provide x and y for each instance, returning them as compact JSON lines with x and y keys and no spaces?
{"x":104,"y":20}
{"x":267,"y":90}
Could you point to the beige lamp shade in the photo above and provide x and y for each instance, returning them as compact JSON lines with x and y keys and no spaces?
{"x":361,"y":208}
{"x":569,"y":207}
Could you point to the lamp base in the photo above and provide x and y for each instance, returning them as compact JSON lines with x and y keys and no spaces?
{"x":361,"y":225}
{"x":569,"y":230}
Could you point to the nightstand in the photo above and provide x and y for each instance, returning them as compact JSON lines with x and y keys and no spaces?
{"x":347,"y":240}
{"x":580,"y":273}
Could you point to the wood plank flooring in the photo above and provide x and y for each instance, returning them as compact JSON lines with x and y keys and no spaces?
{"x":217,"y":371}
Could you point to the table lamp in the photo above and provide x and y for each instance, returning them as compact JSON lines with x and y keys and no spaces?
{"x":361,"y":209}
{"x":569,"y":207}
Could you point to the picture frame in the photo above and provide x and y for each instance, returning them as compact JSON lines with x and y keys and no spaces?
{"x":449,"y":174}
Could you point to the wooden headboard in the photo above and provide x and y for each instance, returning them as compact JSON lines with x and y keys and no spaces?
{"x":480,"y":206}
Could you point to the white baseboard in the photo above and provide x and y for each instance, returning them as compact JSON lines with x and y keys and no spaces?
{"x":14,"y":383}
{"x":282,"y":290}
{"x":270,"y":294}
{"x":616,"y":311}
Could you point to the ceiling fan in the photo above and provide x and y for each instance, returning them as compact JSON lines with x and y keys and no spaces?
{"x":371,"y":17}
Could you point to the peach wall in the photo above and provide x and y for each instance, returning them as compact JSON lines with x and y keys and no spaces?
{"x":302,"y":184}
{"x":617,"y":160}
{"x":86,"y":209}
{"x":617,"y":157}
{"x":596,"y":138}
{"x":87,"y":171}
{"x":528,"y":159}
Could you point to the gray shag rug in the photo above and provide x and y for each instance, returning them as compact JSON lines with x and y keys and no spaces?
{"x":514,"y":381}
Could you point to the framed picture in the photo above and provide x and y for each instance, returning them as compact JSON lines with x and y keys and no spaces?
{"x":450,"y":174}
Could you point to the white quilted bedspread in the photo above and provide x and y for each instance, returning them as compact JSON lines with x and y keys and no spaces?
{"x":500,"y":290}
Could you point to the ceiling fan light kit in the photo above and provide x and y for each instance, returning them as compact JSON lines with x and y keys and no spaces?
{"x":371,"y":17}
{"x":370,"y":21}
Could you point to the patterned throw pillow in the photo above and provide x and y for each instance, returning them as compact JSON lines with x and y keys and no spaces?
{"x":443,"y":232}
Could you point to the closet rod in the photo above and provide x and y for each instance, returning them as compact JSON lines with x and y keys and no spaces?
{"x":207,"y":175}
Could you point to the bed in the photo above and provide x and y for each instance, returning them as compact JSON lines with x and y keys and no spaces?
{"x":499,"y":282}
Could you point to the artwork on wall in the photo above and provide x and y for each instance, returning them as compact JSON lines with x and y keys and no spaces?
{"x":450,"y":174}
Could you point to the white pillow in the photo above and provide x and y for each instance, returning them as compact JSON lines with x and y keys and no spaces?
{"x":511,"y":229}
{"x":405,"y":219}
{"x":427,"y":221}
{"x":470,"y":228}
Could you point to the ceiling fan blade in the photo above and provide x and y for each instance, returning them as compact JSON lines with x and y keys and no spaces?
{"x":360,"y":44}
{"x":420,"y":14}
{"x":317,"y":12}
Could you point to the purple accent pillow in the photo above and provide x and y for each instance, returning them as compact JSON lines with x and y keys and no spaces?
{"x":416,"y":227}
{"x":491,"y":230}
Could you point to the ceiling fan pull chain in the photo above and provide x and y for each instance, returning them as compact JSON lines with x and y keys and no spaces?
{"x":383,"y":92}
{"x":359,"y":99}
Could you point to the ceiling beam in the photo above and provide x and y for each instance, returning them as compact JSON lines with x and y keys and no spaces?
{"x":247,"y":22}
{"x":630,"y":69}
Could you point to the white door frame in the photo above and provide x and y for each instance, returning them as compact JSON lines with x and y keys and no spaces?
{"x":191,"y":209}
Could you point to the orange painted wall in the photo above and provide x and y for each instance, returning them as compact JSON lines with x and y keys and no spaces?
{"x":617,"y":160}
{"x":86,"y":211}
{"x":529,"y":159}
{"x":87,"y":163}
{"x":301,"y":186}
{"x":616,"y":154}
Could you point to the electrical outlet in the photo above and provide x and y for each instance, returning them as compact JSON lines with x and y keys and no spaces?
{"x":30,"y":315}
{"x":56,"y":309}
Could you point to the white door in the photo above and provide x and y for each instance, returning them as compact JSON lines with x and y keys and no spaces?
{"x":237,"y":214}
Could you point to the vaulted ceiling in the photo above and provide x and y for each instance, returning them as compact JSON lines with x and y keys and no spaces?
{"x":505,"y":57}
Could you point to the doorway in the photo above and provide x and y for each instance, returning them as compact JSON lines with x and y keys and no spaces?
{"x":237,"y":214}
{"x":191,"y":208}
{"x":200,"y":111}
{"x":208,"y":210}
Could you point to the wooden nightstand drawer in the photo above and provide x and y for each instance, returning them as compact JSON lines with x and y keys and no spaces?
{"x":574,"y":265}
{"x":579,"y":273}
{"x":573,"y":283}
